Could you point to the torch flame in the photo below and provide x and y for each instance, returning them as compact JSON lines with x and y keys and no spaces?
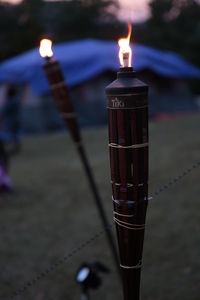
{"x":125,"y":52}
{"x":46,"y":48}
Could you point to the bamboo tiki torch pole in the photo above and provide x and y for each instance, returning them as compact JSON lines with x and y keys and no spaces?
{"x":128,"y":145}
{"x":60,"y":92}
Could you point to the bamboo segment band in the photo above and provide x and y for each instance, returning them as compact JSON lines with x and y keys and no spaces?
{"x":121,"y":215}
{"x":129,"y":226}
{"x":69,"y":115}
{"x":136,"y":146}
{"x":127,"y":184}
{"x":58,"y":85}
{"x":138,"y":266}
{"x":130,"y":202}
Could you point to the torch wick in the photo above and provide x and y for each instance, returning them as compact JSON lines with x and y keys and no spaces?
{"x":126,"y":57}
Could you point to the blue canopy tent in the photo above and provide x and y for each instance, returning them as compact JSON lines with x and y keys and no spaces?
{"x":82,"y":60}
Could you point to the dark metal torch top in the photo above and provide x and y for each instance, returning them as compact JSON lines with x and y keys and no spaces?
{"x":126,"y":83}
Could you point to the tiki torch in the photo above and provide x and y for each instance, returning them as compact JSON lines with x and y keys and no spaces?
{"x":60,"y":92}
{"x":128,"y":146}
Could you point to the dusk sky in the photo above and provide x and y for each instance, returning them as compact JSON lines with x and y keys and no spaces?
{"x":134,"y":10}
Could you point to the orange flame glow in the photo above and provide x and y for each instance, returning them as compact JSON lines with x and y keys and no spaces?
{"x":46,"y":48}
{"x":125,"y":52}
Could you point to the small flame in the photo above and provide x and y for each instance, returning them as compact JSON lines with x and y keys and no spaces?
{"x":125,"y":52}
{"x":46,"y":48}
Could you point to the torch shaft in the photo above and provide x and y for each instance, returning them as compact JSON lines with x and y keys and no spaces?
{"x":61,"y":95}
{"x":128,"y":147}
{"x":85,"y":296}
{"x":99,"y":205}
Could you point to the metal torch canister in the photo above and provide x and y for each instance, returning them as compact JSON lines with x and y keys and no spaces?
{"x":127,"y":102}
{"x":61,"y":94}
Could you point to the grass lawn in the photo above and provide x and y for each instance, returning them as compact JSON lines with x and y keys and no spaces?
{"x":52,"y":211}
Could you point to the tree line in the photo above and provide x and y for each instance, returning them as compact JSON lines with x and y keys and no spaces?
{"x":173,"y":25}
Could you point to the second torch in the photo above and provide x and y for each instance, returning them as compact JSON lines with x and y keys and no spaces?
{"x":60,"y":92}
{"x":128,"y":146}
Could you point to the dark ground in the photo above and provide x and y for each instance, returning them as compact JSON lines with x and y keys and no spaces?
{"x":52,"y":211}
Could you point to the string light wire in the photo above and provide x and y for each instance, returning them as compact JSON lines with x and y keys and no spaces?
{"x":32,"y":282}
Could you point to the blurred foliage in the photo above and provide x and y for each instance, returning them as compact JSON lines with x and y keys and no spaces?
{"x":23,"y":25}
{"x":81,"y":19}
{"x":174,"y":25}
{"x":20,"y":27}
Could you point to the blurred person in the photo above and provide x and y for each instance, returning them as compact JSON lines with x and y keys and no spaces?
{"x":5,"y":181}
{"x":10,"y":117}
{"x":9,"y":134}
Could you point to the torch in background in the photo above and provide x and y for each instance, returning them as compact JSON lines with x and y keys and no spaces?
{"x":60,"y":92}
{"x":128,"y":145}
